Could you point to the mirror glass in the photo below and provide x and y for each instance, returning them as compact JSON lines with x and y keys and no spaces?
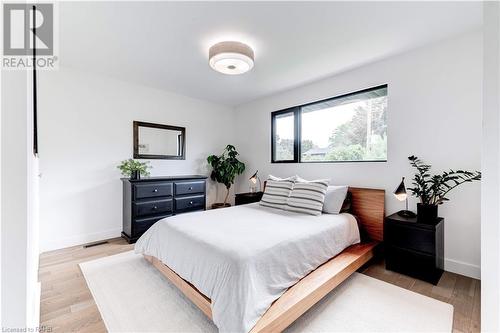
{"x":158,"y":141}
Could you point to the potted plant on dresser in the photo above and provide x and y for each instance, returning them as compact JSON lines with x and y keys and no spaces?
{"x":433,"y":189}
{"x":225,"y":169}
{"x":134,"y":169}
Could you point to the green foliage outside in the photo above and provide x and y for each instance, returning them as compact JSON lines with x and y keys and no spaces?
{"x":347,"y":153}
{"x":284,"y":149}
{"x":349,"y":141}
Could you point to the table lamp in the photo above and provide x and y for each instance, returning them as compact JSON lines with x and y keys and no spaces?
{"x":253,"y":181}
{"x":401,"y":195}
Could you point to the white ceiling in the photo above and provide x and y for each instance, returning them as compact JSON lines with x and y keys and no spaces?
{"x":165,"y":44}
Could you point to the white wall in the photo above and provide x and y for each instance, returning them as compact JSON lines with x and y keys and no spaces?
{"x":20,"y":289}
{"x":490,"y":191}
{"x":85,"y":124}
{"x":434,"y":112}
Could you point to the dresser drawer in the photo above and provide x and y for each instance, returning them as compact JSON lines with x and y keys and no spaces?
{"x":153,"y":207}
{"x":152,"y":190}
{"x":195,"y":202}
{"x":421,"y":240}
{"x":140,"y":226}
{"x":189,"y":187}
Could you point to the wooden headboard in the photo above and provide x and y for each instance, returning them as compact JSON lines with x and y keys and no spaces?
{"x":368,"y":205}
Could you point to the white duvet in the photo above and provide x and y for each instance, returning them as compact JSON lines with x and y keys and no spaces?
{"x":245,"y":257}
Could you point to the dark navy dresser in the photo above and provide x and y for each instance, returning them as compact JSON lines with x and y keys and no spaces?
{"x":147,"y":200}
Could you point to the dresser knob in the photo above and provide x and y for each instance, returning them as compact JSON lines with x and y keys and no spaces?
{"x":190,"y":188}
{"x":155,"y":190}
{"x":190,"y":202}
{"x":155,"y":208}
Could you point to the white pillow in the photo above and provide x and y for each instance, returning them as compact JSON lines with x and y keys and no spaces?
{"x":334,"y":199}
{"x":307,"y":197}
{"x":292,"y":178}
{"x":298,"y":179}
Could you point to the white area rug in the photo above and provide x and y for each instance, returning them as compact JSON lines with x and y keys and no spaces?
{"x":133,"y":296}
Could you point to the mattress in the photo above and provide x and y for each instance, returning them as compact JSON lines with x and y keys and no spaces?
{"x":245,"y":257}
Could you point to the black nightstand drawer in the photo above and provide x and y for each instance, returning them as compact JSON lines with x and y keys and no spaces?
{"x":153,"y":207}
{"x":141,"y":225}
{"x":415,"y":264}
{"x":189,"y":187}
{"x":190,"y":203}
{"x":421,"y":240}
{"x":152,"y":190}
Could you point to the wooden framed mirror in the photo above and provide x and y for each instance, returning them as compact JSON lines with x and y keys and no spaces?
{"x":158,"y":141}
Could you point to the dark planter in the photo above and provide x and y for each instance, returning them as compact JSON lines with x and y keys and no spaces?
{"x":136,"y":174}
{"x":426,"y":213}
{"x":220,"y":205}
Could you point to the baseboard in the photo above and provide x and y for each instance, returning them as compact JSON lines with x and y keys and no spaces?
{"x":78,"y":240}
{"x":462,"y":268}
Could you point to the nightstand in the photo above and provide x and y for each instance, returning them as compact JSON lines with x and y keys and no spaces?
{"x":246,"y":198}
{"x":414,"y":248}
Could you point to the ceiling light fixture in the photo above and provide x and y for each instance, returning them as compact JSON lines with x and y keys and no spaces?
{"x":231,"y":58}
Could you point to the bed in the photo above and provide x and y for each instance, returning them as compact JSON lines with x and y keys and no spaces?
{"x":256,"y":269}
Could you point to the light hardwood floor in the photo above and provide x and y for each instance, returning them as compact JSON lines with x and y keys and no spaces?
{"x":67,"y":304}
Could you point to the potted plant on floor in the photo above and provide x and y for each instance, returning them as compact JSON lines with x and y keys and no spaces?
{"x":225,"y":169}
{"x":433,"y":189}
{"x":134,"y":169}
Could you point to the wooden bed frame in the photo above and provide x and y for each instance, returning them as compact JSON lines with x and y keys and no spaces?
{"x":368,"y":206}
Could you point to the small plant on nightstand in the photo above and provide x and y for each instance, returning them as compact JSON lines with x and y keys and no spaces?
{"x":433,"y":189}
{"x":134,"y":169}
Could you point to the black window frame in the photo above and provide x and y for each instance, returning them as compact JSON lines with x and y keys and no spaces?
{"x":297,"y":112}
{"x":296,"y":133}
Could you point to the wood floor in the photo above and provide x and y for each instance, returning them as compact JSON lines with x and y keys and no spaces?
{"x":67,"y":304}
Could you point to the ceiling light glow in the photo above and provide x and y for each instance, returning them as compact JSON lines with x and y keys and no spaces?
{"x":231,"y":58}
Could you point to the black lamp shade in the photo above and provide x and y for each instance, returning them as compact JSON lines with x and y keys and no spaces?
{"x":400,"y":191}
{"x":401,"y":195}
{"x":254,"y":177}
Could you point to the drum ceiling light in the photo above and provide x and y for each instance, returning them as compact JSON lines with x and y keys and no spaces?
{"x":231,"y":58}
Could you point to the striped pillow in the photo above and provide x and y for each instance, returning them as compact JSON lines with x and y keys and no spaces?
{"x":308,"y":197}
{"x":276,"y":193}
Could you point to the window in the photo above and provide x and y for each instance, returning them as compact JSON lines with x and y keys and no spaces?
{"x":285,"y":146}
{"x":347,"y":128}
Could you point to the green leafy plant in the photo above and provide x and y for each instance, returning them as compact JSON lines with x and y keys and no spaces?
{"x":127,"y":167}
{"x":432,"y":189}
{"x":226,"y":167}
